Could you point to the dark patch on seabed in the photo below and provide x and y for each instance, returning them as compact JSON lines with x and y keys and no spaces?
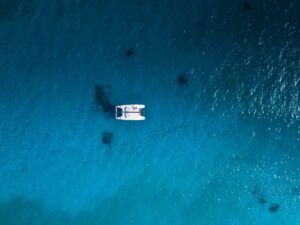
{"x":129,"y":53}
{"x":274,"y":208}
{"x":182,"y":80}
{"x":101,"y":96}
{"x":107,"y":138}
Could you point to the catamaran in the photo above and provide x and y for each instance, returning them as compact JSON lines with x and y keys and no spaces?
{"x":130,"y":112}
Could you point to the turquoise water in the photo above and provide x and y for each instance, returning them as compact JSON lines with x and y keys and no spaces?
{"x":219,"y":146}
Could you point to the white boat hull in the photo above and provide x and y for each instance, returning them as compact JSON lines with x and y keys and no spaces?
{"x":130,"y":112}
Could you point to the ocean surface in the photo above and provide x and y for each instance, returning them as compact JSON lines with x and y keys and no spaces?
{"x":221,"y":141}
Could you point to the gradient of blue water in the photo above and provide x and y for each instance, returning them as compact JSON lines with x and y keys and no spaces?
{"x":203,"y":148}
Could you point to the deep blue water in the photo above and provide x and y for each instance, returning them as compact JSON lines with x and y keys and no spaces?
{"x":221,"y":84}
